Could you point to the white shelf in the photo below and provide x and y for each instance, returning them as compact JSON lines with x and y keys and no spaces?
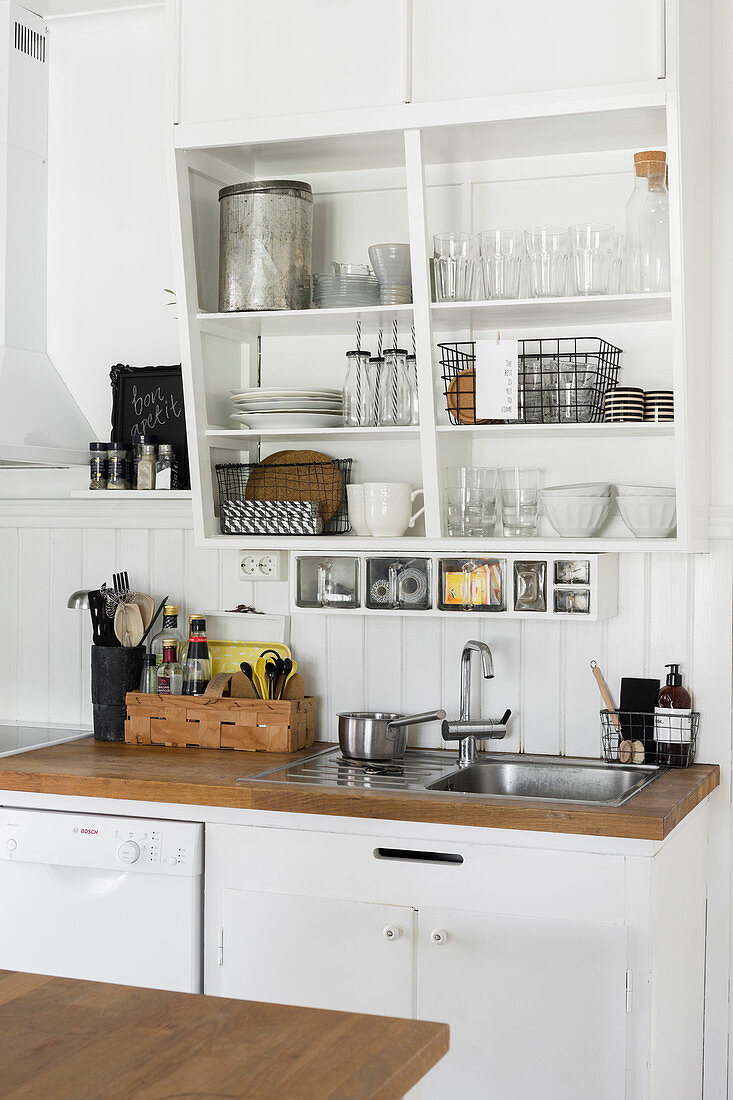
{"x":495,"y":547}
{"x":562,"y":431}
{"x":137,"y":495}
{"x":596,"y":309}
{"x":233,"y":435}
{"x":300,"y":322}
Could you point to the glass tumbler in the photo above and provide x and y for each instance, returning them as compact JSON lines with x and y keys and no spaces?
{"x":591,"y":253}
{"x":519,"y":501}
{"x":501,"y":262}
{"x":470,"y":501}
{"x":357,"y":391}
{"x":395,"y":391}
{"x":454,"y":265}
{"x":547,"y":250}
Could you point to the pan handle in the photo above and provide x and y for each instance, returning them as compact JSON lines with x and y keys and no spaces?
{"x":412,"y":720}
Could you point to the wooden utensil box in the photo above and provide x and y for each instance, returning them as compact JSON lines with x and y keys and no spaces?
{"x":212,"y":722}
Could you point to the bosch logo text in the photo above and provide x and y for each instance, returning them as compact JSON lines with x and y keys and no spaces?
{"x":89,"y":832}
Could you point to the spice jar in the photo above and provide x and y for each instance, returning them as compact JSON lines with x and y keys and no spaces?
{"x":138,"y":442}
{"x":166,"y":468}
{"x":117,"y":466}
{"x":146,"y":467}
{"x":98,"y":465}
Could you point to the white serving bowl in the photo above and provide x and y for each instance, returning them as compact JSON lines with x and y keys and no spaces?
{"x":576,"y":516}
{"x":648,"y":517}
{"x":586,"y":489}
{"x":391,"y":263}
{"x":645,"y":491}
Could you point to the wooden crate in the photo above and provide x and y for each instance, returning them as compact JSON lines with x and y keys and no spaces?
{"x":212,"y":722}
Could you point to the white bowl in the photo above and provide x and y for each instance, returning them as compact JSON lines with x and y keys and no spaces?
{"x":586,"y":489}
{"x":645,"y":491}
{"x":648,"y":517}
{"x":576,"y":516}
{"x":391,"y":263}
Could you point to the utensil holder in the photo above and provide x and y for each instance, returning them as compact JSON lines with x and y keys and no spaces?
{"x":115,"y":671}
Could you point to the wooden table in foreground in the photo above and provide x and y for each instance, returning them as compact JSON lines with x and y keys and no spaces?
{"x":63,"y":1038}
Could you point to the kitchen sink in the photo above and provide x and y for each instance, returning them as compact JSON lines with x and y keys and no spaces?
{"x":549,"y":780}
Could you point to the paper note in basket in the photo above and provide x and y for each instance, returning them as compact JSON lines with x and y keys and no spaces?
{"x":497,"y":380}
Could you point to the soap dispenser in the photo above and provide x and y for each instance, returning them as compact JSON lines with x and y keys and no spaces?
{"x":673,"y":696}
{"x":673,"y":731}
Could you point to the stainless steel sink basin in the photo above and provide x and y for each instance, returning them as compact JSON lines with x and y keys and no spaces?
{"x":554,"y":780}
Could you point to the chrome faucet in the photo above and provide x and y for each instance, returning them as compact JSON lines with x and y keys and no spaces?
{"x":468,"y":731}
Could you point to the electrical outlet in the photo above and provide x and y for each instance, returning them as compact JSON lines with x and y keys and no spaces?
{"x":263,"y":566}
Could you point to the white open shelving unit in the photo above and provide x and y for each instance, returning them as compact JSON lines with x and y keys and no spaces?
{"x":402,"y":172}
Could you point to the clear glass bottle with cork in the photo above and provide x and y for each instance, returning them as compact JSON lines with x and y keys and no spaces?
{"x":633,"y":214}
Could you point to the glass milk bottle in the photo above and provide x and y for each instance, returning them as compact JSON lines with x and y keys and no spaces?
{"x":633,"y":214}
{"x":654,"y":263}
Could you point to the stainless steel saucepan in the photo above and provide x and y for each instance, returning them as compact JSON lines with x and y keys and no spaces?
{"x":378,"y":737}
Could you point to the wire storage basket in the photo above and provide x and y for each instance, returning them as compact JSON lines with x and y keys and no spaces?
{"x":292,"y":498}
{"x":630,"y":737}
{"x":561,"y":380}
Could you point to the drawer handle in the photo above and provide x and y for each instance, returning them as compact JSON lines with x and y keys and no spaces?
{"x":391,"y":932}
{"x":439,"y":935}
{"x":410,"y":856}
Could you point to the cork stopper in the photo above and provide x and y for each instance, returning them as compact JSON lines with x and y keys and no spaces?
{"x":650,"y":154}
{"x":650,"y":168}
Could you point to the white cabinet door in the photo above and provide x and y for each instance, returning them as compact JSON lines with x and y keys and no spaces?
{"x":464,"y":48}
{"x":537,"y":1008}
{"x":319,"y":952}
{"x":240,"y":59}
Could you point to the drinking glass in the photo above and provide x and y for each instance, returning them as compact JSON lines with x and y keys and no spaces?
{"x":454,"y":266}
{"x":548,"y":261}
{"x":569,"y":393}
{"x":530,"y":393}
{"x":501,"y":262}
{"x":470,"y":501}
{"x":357,"y":391}
{"x":395,"y":390}
{"x":591,"y":251}
{"x":520,"y":501}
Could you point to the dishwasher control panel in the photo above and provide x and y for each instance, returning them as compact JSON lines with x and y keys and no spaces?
{"x":133,"y":844}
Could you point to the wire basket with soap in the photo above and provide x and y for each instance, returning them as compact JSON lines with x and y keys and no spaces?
{"x":667,"y":739}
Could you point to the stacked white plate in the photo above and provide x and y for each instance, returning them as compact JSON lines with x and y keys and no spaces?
{"x":649,"y":511}
{"x":345,"y":291}
{"x":578,"y":511}
{"x":265,"y":409}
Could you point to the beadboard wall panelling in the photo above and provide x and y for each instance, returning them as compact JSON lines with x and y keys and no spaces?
{"x":673,"y":608}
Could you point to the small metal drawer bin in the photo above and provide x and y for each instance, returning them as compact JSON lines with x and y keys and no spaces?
{"x":329,"y":582}
{"x":398,"y":584}
{"x":472,"y":584}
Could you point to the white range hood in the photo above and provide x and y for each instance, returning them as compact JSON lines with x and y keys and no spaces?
{"x":40,"y":423}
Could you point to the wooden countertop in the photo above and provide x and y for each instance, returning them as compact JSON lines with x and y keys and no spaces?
{"x":67,"y":1039}
{"x":208,"y":777}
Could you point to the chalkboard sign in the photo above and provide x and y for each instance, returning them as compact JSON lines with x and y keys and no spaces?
{"x":149,"y":401}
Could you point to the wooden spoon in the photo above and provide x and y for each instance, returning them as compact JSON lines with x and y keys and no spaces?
{"x":147,"y":607}
{"x":129,"y":627}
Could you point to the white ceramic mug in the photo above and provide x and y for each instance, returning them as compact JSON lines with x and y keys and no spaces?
{"x":357,"y":520}
{"x":387,"y":508}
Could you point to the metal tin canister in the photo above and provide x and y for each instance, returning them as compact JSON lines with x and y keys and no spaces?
{"x":266,"y":232}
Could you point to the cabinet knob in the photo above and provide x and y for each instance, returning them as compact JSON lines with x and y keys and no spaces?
{"x":439,"y":935}
{"x":391,"y":932}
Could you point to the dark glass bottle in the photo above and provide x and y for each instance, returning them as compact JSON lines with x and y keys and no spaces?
{"x":197,"y":672}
